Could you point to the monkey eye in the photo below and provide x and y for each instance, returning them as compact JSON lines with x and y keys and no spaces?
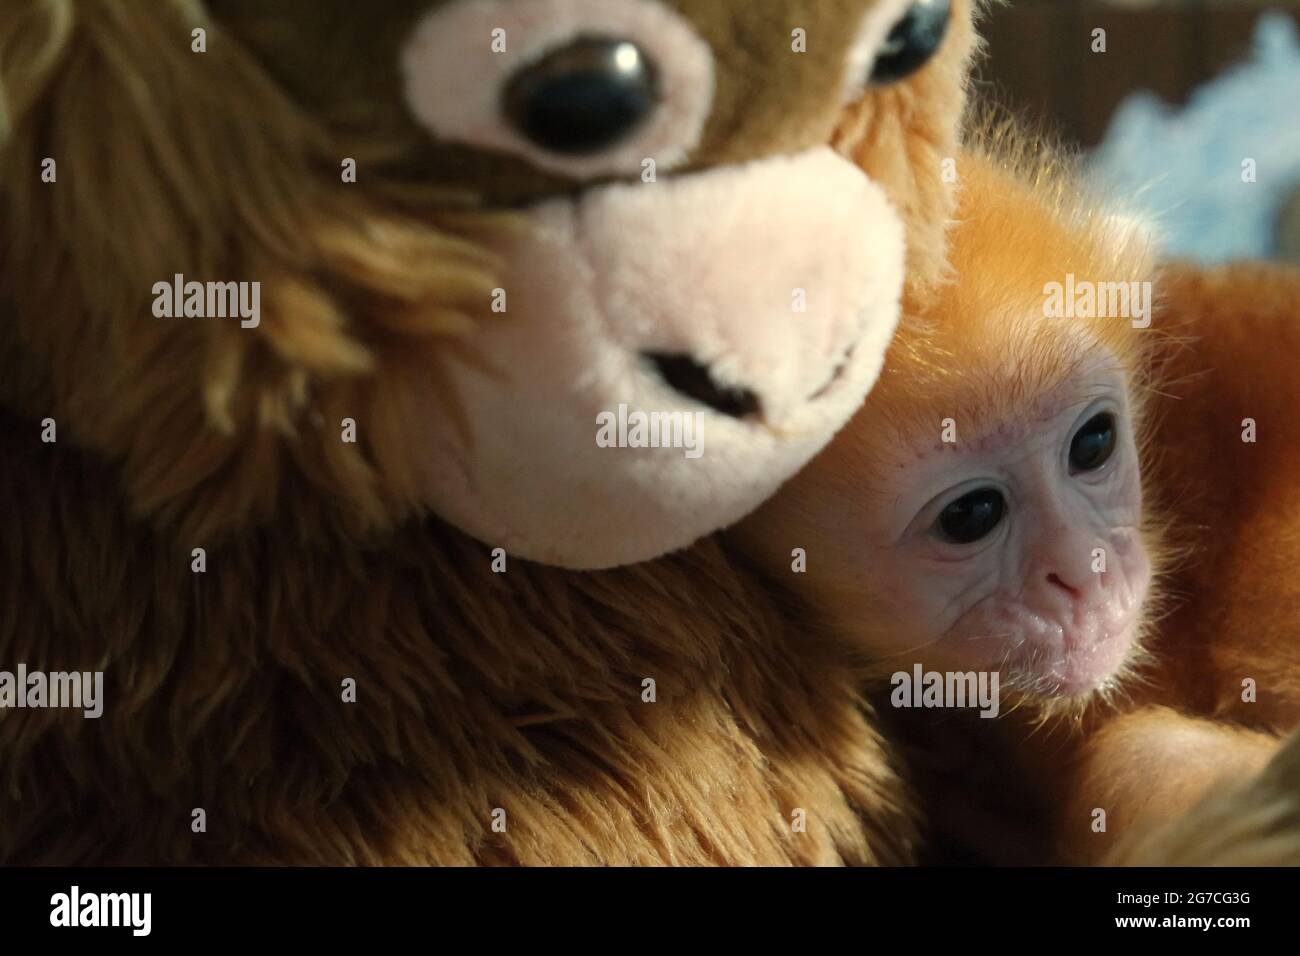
{"x":583,"y":97}
{"x":912,"y":41}
{"x":1093,"y":444}
{"x":971,"y":517}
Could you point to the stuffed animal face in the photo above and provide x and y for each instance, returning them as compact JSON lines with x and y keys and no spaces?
{"x":599,"y":285}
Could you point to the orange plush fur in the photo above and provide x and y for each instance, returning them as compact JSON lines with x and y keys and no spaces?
{"x":475,"y":691}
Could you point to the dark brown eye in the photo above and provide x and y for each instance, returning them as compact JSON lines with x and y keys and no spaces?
{"x":584,"y":97}
{"x":912,"y":42}
{"x":972,"y":516}
{"x":1093,"y":444}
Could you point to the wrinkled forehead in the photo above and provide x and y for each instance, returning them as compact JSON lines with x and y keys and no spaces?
{"x":982,"y":383}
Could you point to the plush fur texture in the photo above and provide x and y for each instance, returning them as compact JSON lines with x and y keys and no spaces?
{"x":902,"y":135}
{"x":475,"y":691}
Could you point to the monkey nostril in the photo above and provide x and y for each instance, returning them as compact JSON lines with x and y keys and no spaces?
{"x":1053,"y":578}
{"x":693,"y":379}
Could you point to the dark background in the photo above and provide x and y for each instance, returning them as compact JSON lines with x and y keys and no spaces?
{"x":1040,"y":61}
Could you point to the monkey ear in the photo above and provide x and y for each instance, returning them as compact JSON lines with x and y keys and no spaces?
{"x":1251,"y":824}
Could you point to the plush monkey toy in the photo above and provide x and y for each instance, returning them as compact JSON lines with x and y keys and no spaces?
{"x":312,"y":319}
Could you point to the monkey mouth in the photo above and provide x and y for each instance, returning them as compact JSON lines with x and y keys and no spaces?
{"x":1093,"y":668}
{"x":1081,"y":658}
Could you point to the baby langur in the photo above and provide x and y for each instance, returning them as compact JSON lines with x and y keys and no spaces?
{"x":983,"y":510}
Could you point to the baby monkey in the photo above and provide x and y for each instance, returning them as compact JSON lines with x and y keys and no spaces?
{"x":983,"y":511}
{"x":983,"y":514}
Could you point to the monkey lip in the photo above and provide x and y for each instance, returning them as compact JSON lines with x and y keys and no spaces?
{"x":1086,"y":671}
{"x":1065,"y":659}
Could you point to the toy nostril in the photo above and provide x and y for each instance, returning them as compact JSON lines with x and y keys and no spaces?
{"x":692,"y":379}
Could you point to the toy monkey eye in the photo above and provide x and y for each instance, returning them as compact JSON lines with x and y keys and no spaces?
{"x":1093,"y":444}
{"x":583,"y":97}
{"x":972,"y":516}
{"x":912,"y":42}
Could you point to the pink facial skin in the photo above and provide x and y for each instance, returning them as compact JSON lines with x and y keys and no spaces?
{"x":1027,"y":597}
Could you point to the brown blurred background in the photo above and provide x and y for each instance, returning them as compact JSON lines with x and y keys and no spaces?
{"x":1040,"y":57}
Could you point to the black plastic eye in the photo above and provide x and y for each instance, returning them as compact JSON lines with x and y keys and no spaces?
{"x":972,"y":516}
{"x":912,"y":42}
{"x":1093,"y":444}
{"x":584,"y":97}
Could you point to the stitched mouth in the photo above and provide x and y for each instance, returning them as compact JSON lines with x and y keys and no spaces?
{"x":693,"y":379}
{"x":836,"y":375}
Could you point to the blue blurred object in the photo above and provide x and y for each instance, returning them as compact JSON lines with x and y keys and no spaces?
{"x":1183,"y":168}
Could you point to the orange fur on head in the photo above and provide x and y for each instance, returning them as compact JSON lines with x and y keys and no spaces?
{"x":983,"y":344}
{"x":1226,"y":463}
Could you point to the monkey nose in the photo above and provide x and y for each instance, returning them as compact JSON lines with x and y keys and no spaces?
{"x":693,"y":379}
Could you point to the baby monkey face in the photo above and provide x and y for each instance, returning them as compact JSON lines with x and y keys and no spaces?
{"x":983,"y":509}
{"x":1007,"y":537}
{"x":1020,"y":549}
